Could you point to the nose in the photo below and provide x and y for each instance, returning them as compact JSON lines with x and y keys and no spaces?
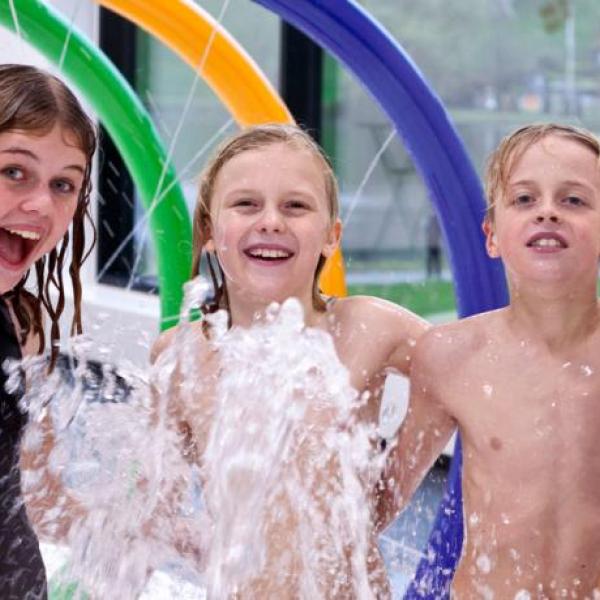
{"x":271,"y":221}
{"x":547,"y":213}
{"x":39,"y":200}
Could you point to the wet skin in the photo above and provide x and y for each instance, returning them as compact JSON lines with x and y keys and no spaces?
{"x":270,"y":224}
{"x":523,"y":386}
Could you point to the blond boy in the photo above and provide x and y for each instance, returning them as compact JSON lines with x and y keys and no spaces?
{"x":522,"y":383}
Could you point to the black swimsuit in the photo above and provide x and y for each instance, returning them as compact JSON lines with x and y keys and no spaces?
{"x":22,"y":574}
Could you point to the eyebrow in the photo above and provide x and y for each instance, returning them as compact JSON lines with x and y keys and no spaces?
{"x":566,"y":183}
{"x":29,"y":154}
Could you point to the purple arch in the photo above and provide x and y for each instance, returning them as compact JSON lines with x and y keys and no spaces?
{"x":384,"y":68}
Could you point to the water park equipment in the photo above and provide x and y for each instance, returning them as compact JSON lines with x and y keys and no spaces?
{"x":379,"y":62}
{"x":193,"y":34}
{"x":347,"y":31}
{"x":128,"y":124}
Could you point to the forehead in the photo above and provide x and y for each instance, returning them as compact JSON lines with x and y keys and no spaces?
{"x":55,"y":147}
{"x":283,"y":162}
{"x":554,"y":156}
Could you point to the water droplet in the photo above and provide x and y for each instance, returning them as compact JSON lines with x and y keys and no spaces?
{"x":484,"y":564}
{"x":586,"y":370}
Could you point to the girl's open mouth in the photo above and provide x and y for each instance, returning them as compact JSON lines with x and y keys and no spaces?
{"x":268,"y":255}
{"x":16,"y":245}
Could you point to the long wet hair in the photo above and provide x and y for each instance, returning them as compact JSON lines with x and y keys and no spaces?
{"x":34,"y":101}
{"x":512,"y":147}
{"x":253,"y":138}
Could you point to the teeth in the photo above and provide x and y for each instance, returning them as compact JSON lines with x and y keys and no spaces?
{"x":28,"y":235}
{"x":547,"y":243}
{"x":268,"y":253}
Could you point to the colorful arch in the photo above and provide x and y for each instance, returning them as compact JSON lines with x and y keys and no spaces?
{"x":348,"y":32}
{"x":363,"y":45}
{"x":189,"y":30}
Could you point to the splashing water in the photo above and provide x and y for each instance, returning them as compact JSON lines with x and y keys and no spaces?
{"x":284,"y":465}
{"x":115,"y":459}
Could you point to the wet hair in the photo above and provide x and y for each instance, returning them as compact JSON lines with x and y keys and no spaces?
{"x":253,"y":138}
{"x":34,"y":101}
{"x":512,"y":147}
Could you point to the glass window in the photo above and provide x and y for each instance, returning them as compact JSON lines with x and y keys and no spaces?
{"x":495,"y":64}
{"x":189,"y":116}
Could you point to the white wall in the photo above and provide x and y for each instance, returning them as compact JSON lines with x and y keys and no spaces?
{"x":122,"y":324}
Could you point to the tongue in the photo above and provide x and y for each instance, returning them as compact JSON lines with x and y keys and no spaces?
{"x":12,"y":247}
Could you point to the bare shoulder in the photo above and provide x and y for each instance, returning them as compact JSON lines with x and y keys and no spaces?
{"x":383,"y":333}
{"x":167,"y":338}
{"x":162,"y":342}
{"x":379,"y":316}
{"x":444,"y":347}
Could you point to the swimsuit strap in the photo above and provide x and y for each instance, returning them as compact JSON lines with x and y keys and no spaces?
{"x":330,"y":301}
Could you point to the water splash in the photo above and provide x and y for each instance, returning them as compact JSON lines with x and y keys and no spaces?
{"x":284,"y":465}
{"x":103,"y":487}
{"x":273,"y":439}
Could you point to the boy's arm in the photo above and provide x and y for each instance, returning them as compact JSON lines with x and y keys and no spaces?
{"x":421,"y":438}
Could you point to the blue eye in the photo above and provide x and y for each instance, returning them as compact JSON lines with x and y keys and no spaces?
{"x":14,"y":173}
{"x":63,"y":186}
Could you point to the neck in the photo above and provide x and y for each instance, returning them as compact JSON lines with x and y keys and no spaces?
{"x":245,"y":309}
{"x":559,"y":318}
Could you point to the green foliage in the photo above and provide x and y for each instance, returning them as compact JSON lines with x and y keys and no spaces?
{"x":425,"y":299}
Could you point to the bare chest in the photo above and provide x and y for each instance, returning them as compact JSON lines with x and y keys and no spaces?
{"x":524,"y":415}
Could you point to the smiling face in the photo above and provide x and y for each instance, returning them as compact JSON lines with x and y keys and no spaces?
{"x":40,"y":180}
{"x":546,"y":223}
{"x":270,"y":223}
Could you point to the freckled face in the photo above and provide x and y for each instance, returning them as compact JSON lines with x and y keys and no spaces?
{"x":547,"y":225}
{"x":40,"y":180}
{"x":270,"y":222}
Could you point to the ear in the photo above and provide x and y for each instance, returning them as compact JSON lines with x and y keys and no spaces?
{"x":491,"y":245}
{"x":333,"y":239}
{"x":207,"y":235}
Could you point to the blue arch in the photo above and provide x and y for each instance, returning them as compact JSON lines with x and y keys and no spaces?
{"x":364,"y":46}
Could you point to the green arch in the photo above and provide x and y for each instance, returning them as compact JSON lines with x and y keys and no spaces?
{"x":132,"y":130}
